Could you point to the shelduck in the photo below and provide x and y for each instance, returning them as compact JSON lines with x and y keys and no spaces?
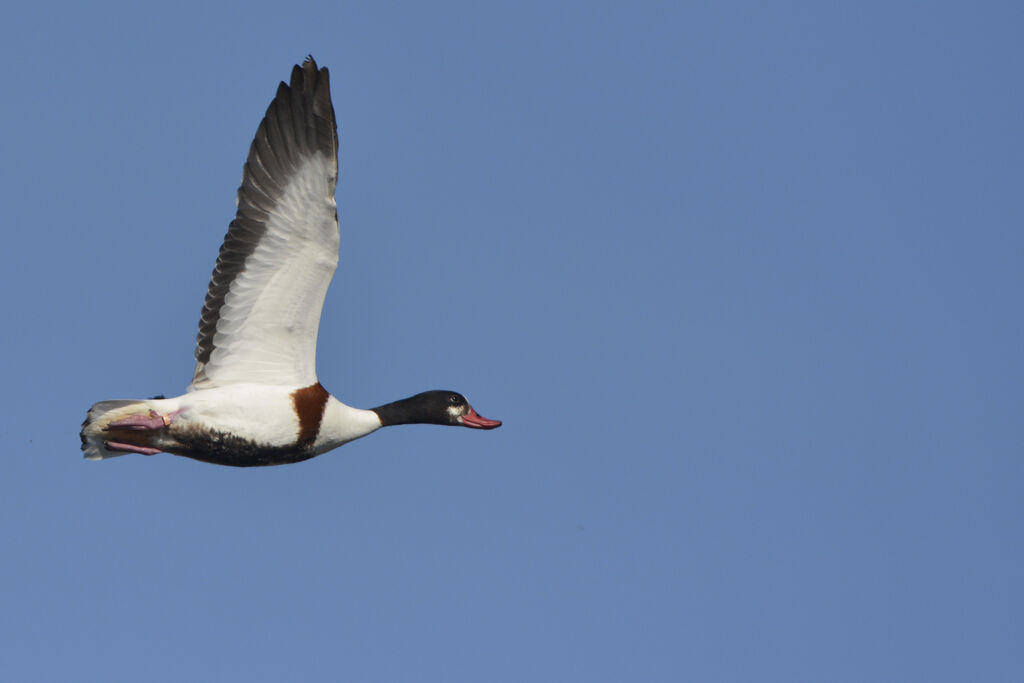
{"x":254,"y":398}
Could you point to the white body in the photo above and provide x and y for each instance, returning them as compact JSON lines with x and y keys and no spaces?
{"x":264,"y":414}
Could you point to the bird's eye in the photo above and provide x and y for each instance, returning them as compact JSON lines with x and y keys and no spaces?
{"x":454,"y":400}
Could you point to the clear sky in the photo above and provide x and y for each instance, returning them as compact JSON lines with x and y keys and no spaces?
{"x":744,"y":283}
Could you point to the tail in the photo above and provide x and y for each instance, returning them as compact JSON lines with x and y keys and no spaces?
{"x":100,"y":415}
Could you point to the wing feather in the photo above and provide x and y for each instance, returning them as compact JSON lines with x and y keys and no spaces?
{"x":262,"y":310}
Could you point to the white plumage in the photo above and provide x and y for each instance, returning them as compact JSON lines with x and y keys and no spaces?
{"x":255,"y":398}
{"x":268,"y":323}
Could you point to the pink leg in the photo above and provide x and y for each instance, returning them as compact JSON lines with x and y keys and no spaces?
{"x":140,"y":422}
{"x":129,"y":448}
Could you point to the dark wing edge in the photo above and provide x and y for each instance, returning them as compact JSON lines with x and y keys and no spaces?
{"x":299,"y":122}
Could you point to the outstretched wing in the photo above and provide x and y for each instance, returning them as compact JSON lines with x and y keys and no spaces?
{"x":262,"y":310}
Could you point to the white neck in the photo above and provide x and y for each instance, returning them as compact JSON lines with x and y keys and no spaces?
{"x":342,"y":423}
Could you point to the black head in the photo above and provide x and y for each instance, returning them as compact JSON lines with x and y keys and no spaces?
{"x":437,"y":407}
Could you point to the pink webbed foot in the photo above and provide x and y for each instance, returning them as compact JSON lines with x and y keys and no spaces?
{"x":141,"y":422}
{"x":130,"y":448}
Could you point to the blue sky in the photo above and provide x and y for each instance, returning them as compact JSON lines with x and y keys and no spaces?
{"x":742,"y":281}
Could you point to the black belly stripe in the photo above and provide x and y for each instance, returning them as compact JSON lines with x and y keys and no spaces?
{"x":309,"y":405}
{"x":219,"y":448}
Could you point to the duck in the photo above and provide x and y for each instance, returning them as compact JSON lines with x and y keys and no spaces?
{"x":254,"y":398}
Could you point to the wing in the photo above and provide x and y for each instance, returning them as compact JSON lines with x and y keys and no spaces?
{"x":262,"y":310}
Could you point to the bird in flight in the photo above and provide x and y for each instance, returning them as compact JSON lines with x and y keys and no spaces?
{"x":255,"y":398}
